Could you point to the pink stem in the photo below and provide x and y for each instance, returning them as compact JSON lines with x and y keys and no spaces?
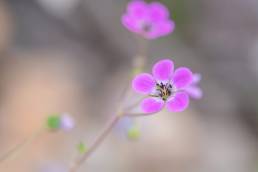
{"x":96,"y":143}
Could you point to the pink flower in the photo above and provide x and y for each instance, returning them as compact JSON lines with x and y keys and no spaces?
{"x":193,"y":89}
{"x":165,"y":87}
{"x":148,"y":20}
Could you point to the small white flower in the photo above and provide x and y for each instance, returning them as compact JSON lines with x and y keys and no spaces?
{"x":67,"y":122}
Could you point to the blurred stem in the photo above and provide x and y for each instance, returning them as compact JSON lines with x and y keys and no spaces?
{"x":18,"y":149}
{"x":138,"y":65}
{"x":96,"y":143}
{"x":141,"y":57}
{"x":135,"y":104}
{"x":138,"y":114}
{"x":101,"y":137}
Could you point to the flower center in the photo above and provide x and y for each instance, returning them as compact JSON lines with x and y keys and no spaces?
{"x":164,"y":91}
{"x":145,"y":26}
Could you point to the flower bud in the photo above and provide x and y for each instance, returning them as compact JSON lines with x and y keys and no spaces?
{"x":63,"y":121}
{"x":82,"y":148}
{"x":133,"y":133}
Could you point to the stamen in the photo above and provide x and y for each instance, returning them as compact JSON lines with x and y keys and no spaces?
{"x":164,"y":91}
{"x":146,"y":27}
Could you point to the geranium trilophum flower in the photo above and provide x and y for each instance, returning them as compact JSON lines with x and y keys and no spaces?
{"x":164,"y":87}
{"x":148,"y":20}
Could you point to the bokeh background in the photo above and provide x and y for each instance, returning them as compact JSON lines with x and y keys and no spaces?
{"x":74,"y":55}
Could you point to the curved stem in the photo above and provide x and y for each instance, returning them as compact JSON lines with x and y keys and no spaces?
{"x":101,"y":137}
{"x":17,"y":149}
{"x":138,"y":65}
{"x":135,"y":104}
{"x":96,"y":143}
{"x":138,"y":114}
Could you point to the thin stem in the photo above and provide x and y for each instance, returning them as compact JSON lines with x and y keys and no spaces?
{"x":138,"y":114}
{"x":140,"y":59}
{"x":101,"y":137}
{"x":17,"y":149}
{"x":138,"y":65}
{"x":135,"y":104}
{"x":96,"y":143}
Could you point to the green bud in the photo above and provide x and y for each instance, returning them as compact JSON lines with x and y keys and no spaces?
{"x":133,"y":133}
{"x":82,"y":148}
{"x":53,"y":122}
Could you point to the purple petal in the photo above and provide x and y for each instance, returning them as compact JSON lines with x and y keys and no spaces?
{"x":182,"y":77}
{"x":196,"y":78}
{"x":137,"y":9}
{"x":152,"y":105}
{"x":158,"y":11}
{"x":166,"y":27}
{"x":130,"y":23}
{"x":178,"y":103}
{"x":163,"y":70}
{"x":160,"y":29}
{"x":194,"y":92}
{"x":143,"y":83}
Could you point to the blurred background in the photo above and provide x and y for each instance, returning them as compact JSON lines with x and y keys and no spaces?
{"x":74,"y":55}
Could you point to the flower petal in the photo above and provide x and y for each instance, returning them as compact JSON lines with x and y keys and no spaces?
{"x":194,"y":92}
{"x":137,"y":9}
{"x":182,"y":77}
{"x":158,"y":11}
{"x":143,"y":83}
{"x":178,"y":103}
{"x":196,"y":78}
{"x":152,"y":105}
{"x":163,"y":70}
{"x":161,"y":29}
{"x":166,"y":27}
{"x":130,"y":23}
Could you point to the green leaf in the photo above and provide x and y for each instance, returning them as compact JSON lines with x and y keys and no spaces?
{"x":53,"y":122}
{"x":82,"y":148}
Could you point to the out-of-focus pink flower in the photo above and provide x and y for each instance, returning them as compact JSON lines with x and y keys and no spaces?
{"x":148,"y":20}
{"x":165,"y":87}
{"x":193,"y":89}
